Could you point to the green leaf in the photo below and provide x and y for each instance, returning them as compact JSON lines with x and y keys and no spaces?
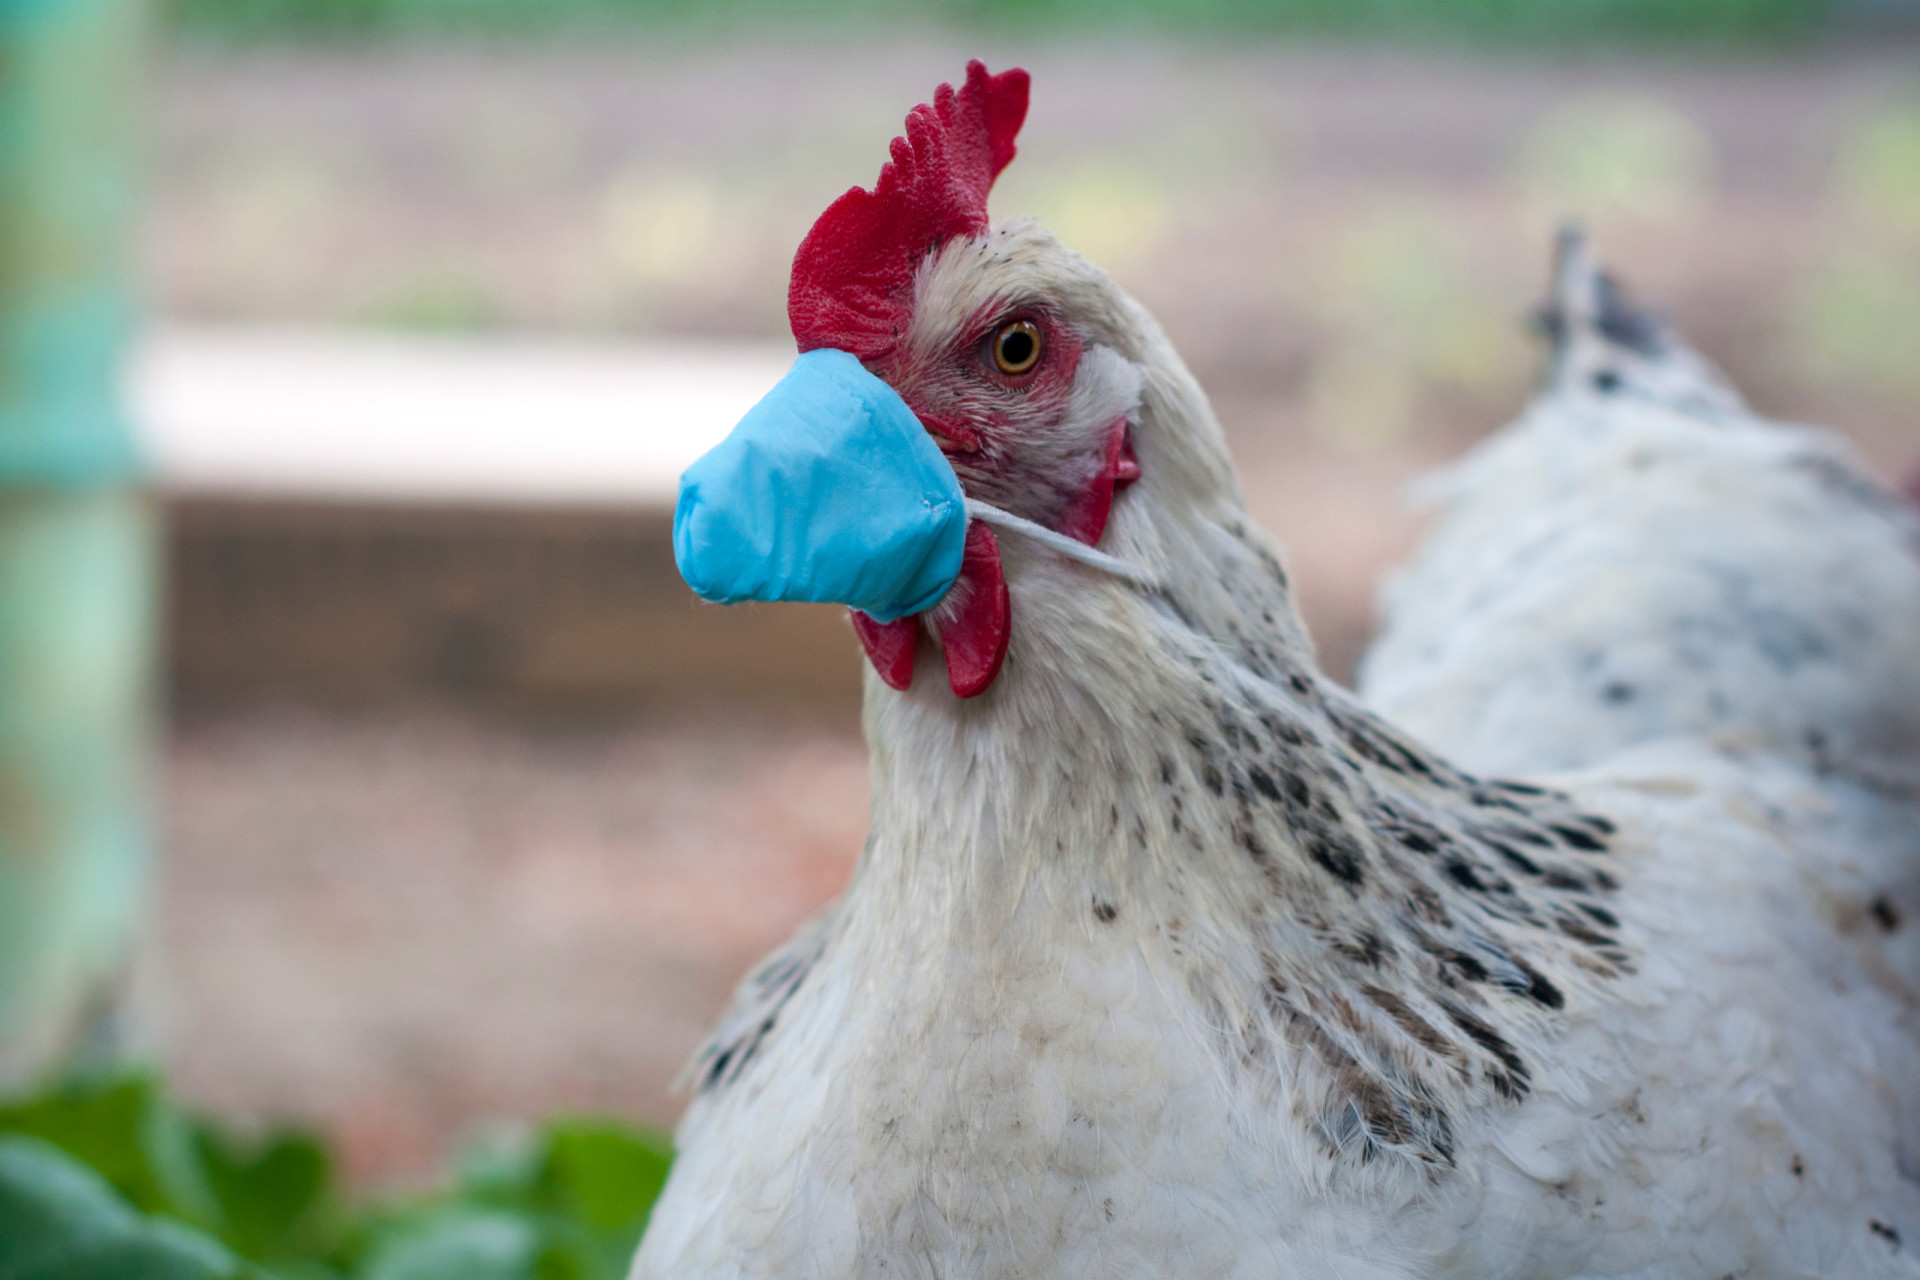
{"x":59,"y":1220}
{"x":604,"y":1173}
{"x":123,"y":1128}
{"x":461,"y":1244}
{"x":276,"y":1196}
{"x":567,"y":1202}
{"x":588,"y":1184}
{"x":503,"y":1169}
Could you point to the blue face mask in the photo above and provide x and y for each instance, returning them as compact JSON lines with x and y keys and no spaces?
{"x":828,"y":490}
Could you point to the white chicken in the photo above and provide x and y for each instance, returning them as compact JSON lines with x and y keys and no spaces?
{"x":1641,"y":557}
{"x":1167,"y":957}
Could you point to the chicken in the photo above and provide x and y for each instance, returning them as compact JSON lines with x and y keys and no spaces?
{"x":1641,"y":557}
{"x":1169,"y":957}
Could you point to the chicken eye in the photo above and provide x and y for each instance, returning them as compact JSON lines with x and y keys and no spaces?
{"x":1016,"y":348}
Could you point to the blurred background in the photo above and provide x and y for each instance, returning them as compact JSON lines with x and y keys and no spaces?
{"x":461,"y":807}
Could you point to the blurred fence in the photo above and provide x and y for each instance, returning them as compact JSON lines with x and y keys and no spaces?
{"x":384,"y":518}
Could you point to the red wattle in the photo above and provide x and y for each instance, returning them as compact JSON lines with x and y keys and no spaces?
{"x":975,"y":638}
{"x":890,"y":646}
{"x":1086,"y":520}
{"x":1127,"y":470}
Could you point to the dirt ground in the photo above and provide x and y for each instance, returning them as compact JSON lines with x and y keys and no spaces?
{"x":400,"y":923}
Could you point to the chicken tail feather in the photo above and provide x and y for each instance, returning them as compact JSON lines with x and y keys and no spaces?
{"x":1603,"y":344}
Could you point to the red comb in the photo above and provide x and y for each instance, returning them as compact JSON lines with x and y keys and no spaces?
{"x":853,"y":274}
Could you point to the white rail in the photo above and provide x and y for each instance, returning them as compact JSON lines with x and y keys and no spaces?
{"x":316,"y":413}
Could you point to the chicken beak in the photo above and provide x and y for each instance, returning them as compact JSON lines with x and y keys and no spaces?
{"x":828,"y":490}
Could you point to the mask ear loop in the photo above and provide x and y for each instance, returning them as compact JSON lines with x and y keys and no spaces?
{"x":1068,"y":547}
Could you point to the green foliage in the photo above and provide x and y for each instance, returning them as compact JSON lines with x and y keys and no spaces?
{"x":123,"y":1129}
{"x":105,"y":1179}
{"x":60,"y":1220}
{"x":568,"y":1205}
{"x":1482,"y":20}
{"x":276,"y":1198}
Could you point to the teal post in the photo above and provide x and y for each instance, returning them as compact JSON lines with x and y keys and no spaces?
{"x":77,"y":542}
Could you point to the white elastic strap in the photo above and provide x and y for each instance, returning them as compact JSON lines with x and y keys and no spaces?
{"x":1060,"y":542}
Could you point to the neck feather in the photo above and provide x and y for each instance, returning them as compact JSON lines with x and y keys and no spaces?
{"x":1379,"y":939}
